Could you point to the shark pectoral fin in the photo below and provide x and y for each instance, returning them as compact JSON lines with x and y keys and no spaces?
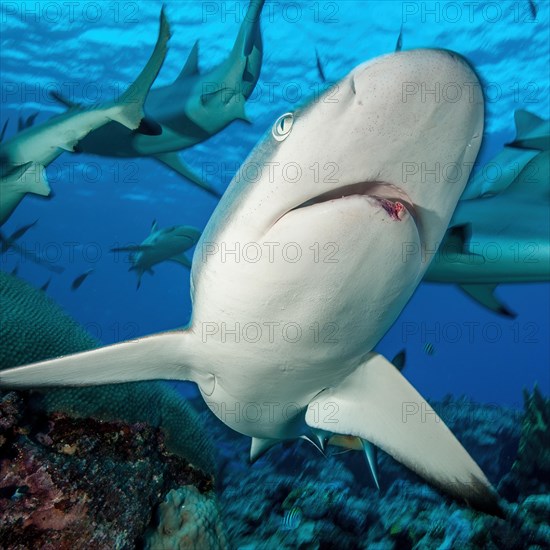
{"x":376,"y":403}
{"x":182,"y":260}
{"x":158,"y":357}
{"x":33,"y":179}
{"x":484,"y":294}
{"x":259,"y":447}
{"x":173,"y":161}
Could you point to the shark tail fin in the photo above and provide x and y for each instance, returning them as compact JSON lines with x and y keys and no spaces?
{"x":129,"y":109}
{"x":159,"y":357}
{"x":376,"y":403}
{"x":484,"y":294}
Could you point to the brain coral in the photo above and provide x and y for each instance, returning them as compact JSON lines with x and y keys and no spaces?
{"x":33,"y":328}
{"x":187,"y":519}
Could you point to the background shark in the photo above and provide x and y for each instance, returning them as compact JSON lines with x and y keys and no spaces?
{"x":500,"y":233}
{"x":194,"y":107}
{"x":168,"y":244}
{"x":24,"y":157}
{"x":336,"y":385}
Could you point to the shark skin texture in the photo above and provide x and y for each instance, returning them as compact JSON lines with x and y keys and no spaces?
{"x":191,"y":109}
{"x":509,"y":217}
{"x":268,"y":383}
{"x":24,"y":157}
{"x":161,"y":245}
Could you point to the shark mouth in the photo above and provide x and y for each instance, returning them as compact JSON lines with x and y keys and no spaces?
{"x":390,"y":197}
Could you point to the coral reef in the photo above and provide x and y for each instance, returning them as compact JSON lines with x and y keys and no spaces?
{"x":340,"y":507}
{"x":67,"y":483}
{"x":33,"y":328}
{"x":533,"y":460}
{"x":187,"y":519}
{"x":88,"y":466}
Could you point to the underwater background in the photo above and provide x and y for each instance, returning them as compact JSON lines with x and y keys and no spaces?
{"x":89,"y":49}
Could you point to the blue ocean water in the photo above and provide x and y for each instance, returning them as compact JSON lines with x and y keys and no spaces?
{"x":89,"y":49}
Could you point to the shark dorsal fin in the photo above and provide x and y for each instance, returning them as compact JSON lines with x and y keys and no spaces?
{"x":154,"y":226}
{"x":525,"y":123}
{"x":191,"y":66}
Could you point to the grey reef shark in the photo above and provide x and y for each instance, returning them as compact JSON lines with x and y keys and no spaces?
{"x":281,"y":337}
{"x":24,"y":157}
{"x":191,"y":109}
{"x":499,"y":231}
{"x":161,"y":245}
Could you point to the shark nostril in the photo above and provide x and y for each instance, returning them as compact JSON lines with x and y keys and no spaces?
{"x":353,"y":89}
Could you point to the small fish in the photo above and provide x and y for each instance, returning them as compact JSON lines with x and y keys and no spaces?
{"x":45,"y":286}
{"x":399,"y":43}
{"x":3,"y":132}
{"x":429,"y":348}
{"x":292,"y":519}
{"x":320,"y":66}
{"x":7,"y":242}
{"x":80,"y":279}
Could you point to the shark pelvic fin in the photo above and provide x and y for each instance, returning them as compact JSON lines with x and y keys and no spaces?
{"x":191,"y":66}
{"x":484,"y":294}
{"x":260,"y":446}
{"x":372,"y":460}
{"x":159,"y":357}
{"x":33,"y":179}
{"x":376,"y":403}
{"x":173,"y":161}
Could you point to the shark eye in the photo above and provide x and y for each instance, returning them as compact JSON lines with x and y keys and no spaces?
{"x":282,"y":126}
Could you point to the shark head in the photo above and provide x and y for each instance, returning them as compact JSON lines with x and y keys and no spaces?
{"x":371,"y":170}
{"x":403,"y":127}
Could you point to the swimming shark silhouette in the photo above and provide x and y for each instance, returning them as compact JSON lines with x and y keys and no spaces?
{"x":24,"y":157}
{"x":499,"y":234}
{"x":168,"y":244}
{"x":280,"y":345}
{"x":10,"y":242}
{"x":501,"y":238}
{"x":532,"y":137}
{"x":193,"y":108}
